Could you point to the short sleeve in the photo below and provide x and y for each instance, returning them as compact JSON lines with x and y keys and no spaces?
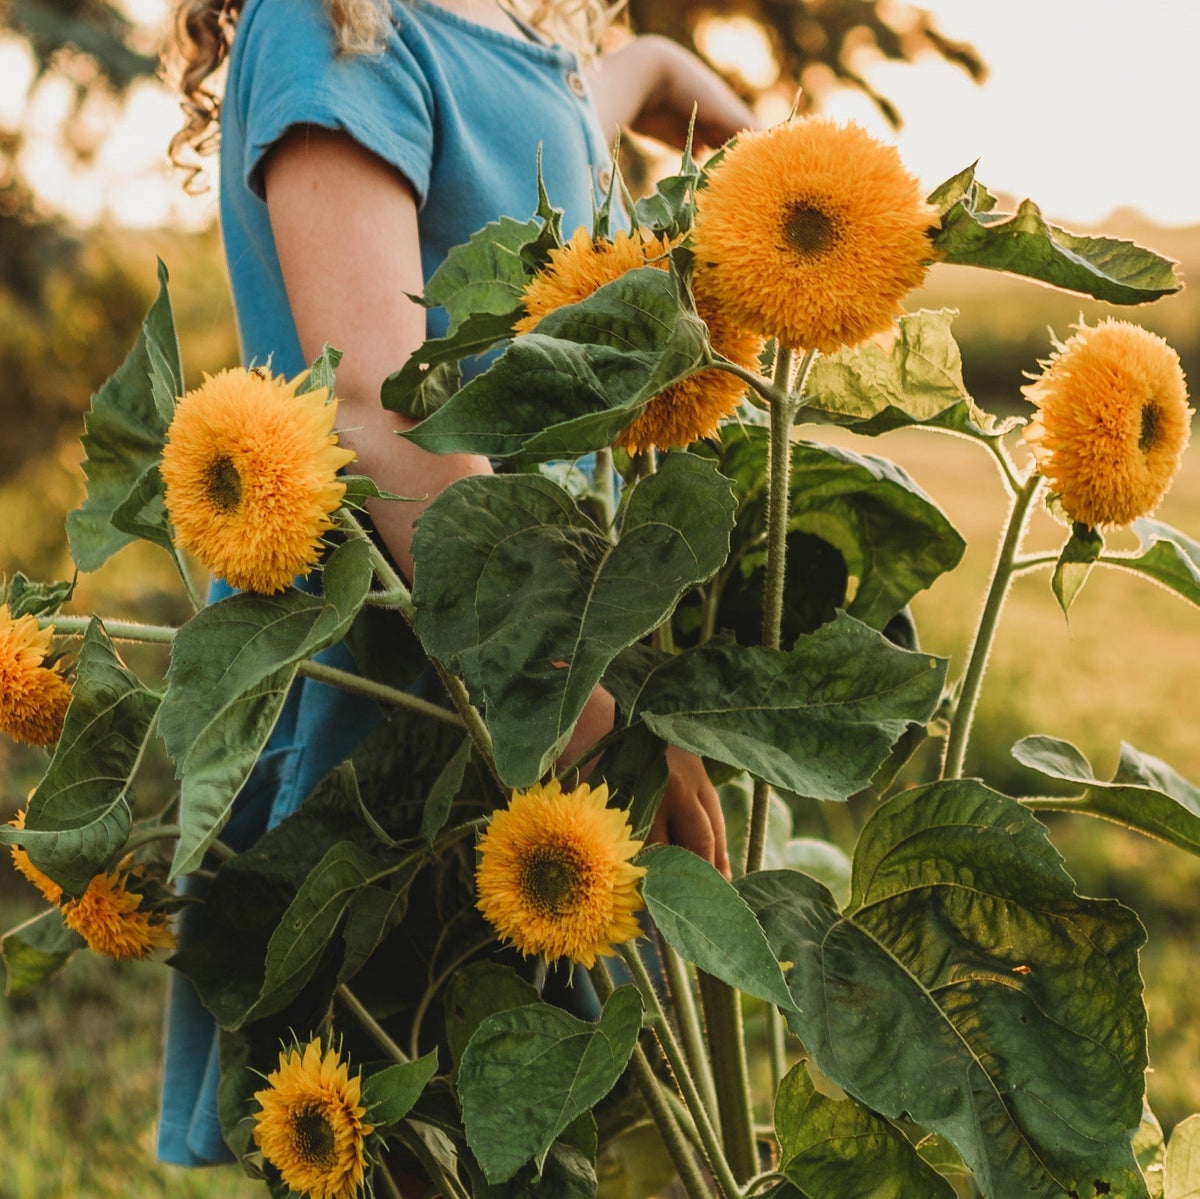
{"x":289,"y":72}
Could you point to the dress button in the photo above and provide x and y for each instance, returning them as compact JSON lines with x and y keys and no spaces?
{"x":605,"y":178}
{"x":576,"y":84}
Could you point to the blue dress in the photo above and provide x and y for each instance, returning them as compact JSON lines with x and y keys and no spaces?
{"x":461,"y":111}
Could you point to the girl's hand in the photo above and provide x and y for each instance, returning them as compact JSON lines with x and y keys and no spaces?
{"x":651,"y":86}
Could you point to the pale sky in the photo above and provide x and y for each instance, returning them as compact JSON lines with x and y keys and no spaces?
{"x":1090,"y":106}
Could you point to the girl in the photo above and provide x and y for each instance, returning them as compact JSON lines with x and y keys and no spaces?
{"x":359,"y":141}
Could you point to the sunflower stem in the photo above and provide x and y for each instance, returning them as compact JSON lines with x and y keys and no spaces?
{"x":713,"y":1149}
{"x":370,"y":1025}
{"x":349,"y":681}
{"x":148,"y":835}
{"x":605,"y":489}
{"x":731,"y":1074}
{"x":1034,"y":561}
{"x":118,"y":630}
{"x":770,"y":391}
{"x":690,"y":1031}
{"x":776,"y":1046}
{"x":390,"y":1186}
{"x":1002,"y":575}
{"x":194,"y":596}
{"x":1011,"y":480}
{"x":387,"y":574}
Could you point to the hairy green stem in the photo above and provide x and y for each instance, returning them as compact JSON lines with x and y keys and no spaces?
{"x":194,"y":596}
{"x":1012,"y":481}
{"x":414,"y":1041}
{"x":687,"y":1018}
{"x":118,"y":630}
{"x":370,"y":1025}
{"x":731,"y":1074}
{"x":665,"y":1034}
{"x":369,"y":689}
{"x":770,"y":390}
{"x":776,"y":1046}
{"x":669,"y":1128}
{"x":148,"y":835}
{"x":1002,"y":574}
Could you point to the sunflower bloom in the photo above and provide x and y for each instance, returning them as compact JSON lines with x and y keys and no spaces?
{"x":109,"y":918}
{"x":310,"y":1123}
{"x":50,"y":890}
{"x":554,"y":874}
{"x":33,"y":697}
{"x":695,"y":406}
{"x":812,"y":233}
{"x":251,"y":475}
{"x":1112,"y":422}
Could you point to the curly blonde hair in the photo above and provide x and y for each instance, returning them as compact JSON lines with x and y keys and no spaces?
{"x":202,"y":32}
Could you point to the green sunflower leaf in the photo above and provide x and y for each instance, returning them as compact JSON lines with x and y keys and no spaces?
{"x":512,"y":578}
{"x":1144,"y":794}
{"x":124,"y":433}
{"x":1150,"y":1150}
{"x":1022,"y":243}
{"x":1168,"y":557}
{"x":966,"y":987}
{"x":35,"y":951}
{"x":573,"y":384}
{"x":79,"y":817}
{"x":322,"y":372}
{"x":479,"y":990}
{"x":1181,"y":1166}
{"x":389,"y":1094}
{"x":550,"y":1068}
{"x":838,"y":1149}
{"x":231,"y":666}
{"x":1075,"y":563}
{"x":917,"y":380}
{"x":26,"y":598}
{"x":705,"y":920}
{"x":817,"y":720}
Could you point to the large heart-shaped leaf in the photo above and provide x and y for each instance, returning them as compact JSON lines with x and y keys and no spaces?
{"x":1144,"y":794}
{"x":817,"y":720}
{"x":968,"y":988}
{"x":512,"y":578}
{"x":79,"y":817}
{"x":549,"y":1067}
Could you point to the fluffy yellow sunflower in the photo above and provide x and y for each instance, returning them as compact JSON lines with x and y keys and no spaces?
{"x":695,"y":406}
{"x":812,"y":233}
{"x":1112,"y":422}
{"x":554,"y":874}
{"x":108,"y":916}
{"x":310,"y":1123}
{"x":33,"y":697}
{"x":251,"y":474}
{"x":50,"y":890}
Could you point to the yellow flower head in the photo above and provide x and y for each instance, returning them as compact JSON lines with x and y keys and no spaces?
{"x":812,"y":233}
{"x":554,"y":874}
{"x":1112,"y":422}
{"x":33,"y":697}
{"x":695,"y":406}
{"x":109,"y":918}
{"x":310,"y":1123}
{"x":251,"y":474}
{"x":50,"y":890}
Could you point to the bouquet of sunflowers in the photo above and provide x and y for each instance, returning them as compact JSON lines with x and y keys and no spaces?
{"x":935,"y":1009}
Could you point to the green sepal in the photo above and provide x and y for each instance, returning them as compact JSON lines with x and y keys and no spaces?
{"x":1075,"y":563}
{"x":34,"y":952}
{"x":78,"y":819}
{"x":708,"y":923}
{"x":388,"y":1094}
{"x":124,"y":433}
{"x":838,"y":1149}
{"x":550,"y":1068}
{"x":1022,"y":243}
{"x":1144,"y":793}
{"x":968,"y":988}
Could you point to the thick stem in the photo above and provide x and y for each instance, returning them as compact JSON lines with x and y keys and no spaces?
{"x":147,"y":836}
{"x":687,"y":1018}
{"x":658,"y":1021}
{"x":731,"y":1074}
{"x":770,"y":391}
{"x":1002,"y":573}
{"x":776,"y":1046}
{"x":370,"y":1025}
{"x":118,"y":630}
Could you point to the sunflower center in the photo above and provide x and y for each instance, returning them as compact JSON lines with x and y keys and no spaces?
{"x":223,"y":484}
{"x":808,"y":230}
{"x":551,"y":878}
{"x":1150,"y":419}
{"x":313,"y":1138}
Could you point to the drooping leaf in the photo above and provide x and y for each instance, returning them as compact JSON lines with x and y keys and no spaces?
{"x":914,"y":380}
{"x":838,"y":1149}
{"x":79,"y":817}
{"x":574,"y":383}
{"x":231,"y":666}
{"x":444,"y":791}
{"x":708,"y":923}
{"x":35,"y":951}
{"x":27,"y":598}
{"x":550,"y":1068}
{"x":1181,"y":1167}
{"x":512,"y":578}
{"x":1023,"y":243}
{"x":125,"y":432}
{"x":1075,"y":563}
{"x":968,"y":988}
{"x":817,"y":720}
{"x":1144,"y":794}
{"x":1167,"y":556}
{"x":389,"y":1094}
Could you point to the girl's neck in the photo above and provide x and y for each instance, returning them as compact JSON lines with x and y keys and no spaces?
{"x":487,"y":13}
